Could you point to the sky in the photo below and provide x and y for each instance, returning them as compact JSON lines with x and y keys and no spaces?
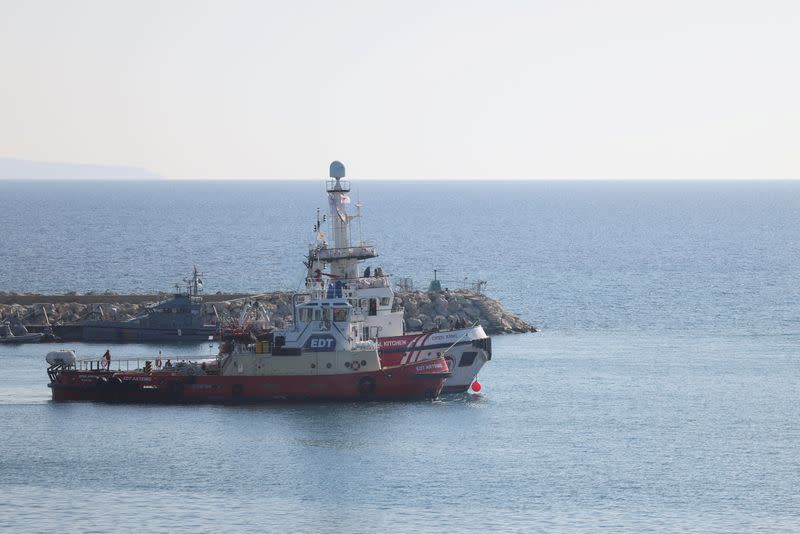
{"x":611,"y":89}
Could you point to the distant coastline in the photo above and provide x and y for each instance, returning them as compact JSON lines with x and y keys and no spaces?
{"x":20,"y":169}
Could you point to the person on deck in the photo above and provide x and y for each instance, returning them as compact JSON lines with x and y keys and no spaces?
{"x":107,"y":359}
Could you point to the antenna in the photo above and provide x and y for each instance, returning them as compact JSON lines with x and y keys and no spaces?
{"x":358,"y":211}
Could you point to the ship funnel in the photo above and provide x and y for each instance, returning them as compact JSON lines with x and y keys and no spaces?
{"x":337,"y":169}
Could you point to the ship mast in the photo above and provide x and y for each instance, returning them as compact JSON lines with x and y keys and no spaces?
{"x":193,"y":285}
{"x":344,"y":256}
{"x":337,"y":195}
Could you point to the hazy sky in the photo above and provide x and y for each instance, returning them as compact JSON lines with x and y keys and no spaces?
{"x":433,"y":89}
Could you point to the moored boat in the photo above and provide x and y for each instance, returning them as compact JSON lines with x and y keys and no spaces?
{"x":178,"y":318}
{"x":13,"y":331}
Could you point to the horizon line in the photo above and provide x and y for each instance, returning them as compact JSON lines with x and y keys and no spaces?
{"x":416,"y":179}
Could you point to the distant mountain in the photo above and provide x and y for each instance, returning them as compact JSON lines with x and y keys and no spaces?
{"x":20,"y":169}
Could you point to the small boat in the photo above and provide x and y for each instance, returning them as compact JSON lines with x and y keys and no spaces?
{"x":178,"y":318}
{"x":321,"y":355}
{"x":13,"y":331}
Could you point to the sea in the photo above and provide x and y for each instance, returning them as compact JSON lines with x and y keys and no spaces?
{"x":662,"y":393}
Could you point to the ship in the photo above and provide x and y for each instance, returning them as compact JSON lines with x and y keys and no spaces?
{"x":320,"y":355}
{"x":178,"y":318}
{"x":336,"y":267}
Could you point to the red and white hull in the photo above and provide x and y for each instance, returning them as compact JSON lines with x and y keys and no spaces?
{"x":421,"y":380}
{"x":465,"y":350}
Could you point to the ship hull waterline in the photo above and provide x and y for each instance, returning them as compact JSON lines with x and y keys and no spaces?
{"x":411,"y":382}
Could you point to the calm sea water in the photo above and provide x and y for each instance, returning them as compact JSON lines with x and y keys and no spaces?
{"x":661,"y":395}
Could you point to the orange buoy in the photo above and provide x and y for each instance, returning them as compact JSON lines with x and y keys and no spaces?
{"x":476,"y":386}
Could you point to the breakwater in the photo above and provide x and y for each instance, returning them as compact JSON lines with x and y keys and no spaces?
{"x":424,"y":311}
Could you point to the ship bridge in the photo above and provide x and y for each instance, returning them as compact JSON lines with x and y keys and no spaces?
{"x":338,"y":186}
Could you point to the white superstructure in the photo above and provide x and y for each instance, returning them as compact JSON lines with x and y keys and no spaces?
{"x":334,"y":268}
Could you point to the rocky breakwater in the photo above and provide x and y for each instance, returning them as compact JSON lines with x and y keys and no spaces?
{"x":424,"y":311}
{"x":428,"y":311}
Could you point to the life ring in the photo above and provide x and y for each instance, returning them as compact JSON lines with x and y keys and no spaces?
{"x":366,"y":386}
{"x":355,"y":366}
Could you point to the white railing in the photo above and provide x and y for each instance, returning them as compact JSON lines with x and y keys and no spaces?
{"x":362,"y":251}
{"x":320,"y":285}
{"x":135,"y":364}
{"x":366,"y":283}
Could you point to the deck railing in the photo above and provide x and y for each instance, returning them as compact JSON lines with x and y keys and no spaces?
{"x":134,"y":364}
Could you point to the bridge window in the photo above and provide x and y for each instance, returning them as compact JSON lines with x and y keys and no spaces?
{"x":340,"y":315}
{"x":384,"y":301}
{"x":305,"y":315}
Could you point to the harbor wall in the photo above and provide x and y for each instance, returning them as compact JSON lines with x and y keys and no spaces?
{"x":423,"y":310}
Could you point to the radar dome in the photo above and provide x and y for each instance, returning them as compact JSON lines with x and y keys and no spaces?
{"x":337,"y":169}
